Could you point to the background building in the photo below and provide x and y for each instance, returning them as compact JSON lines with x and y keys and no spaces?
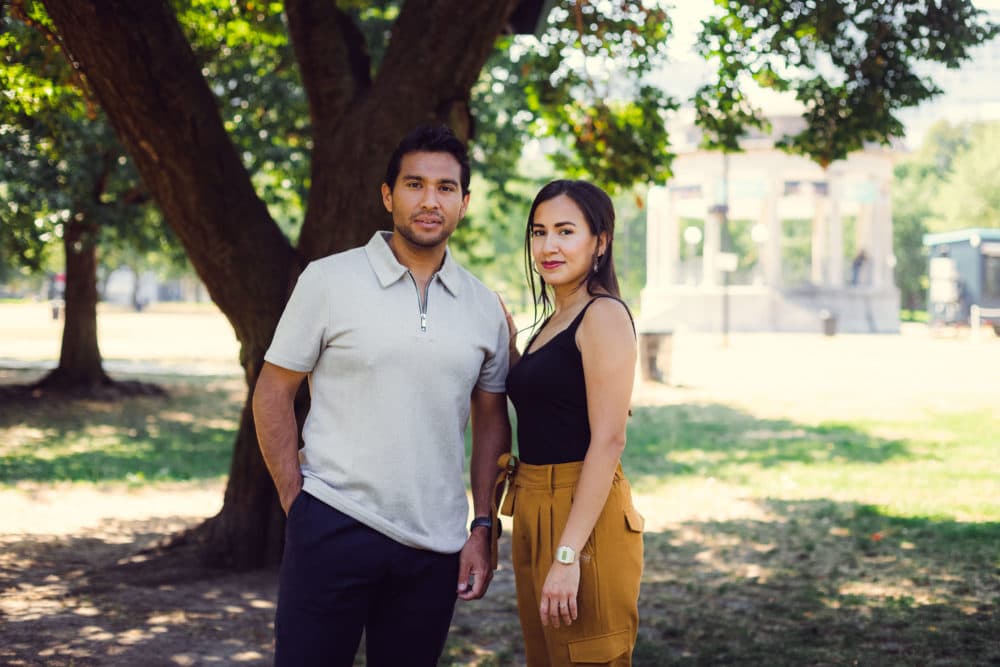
{"x":799,"y":248}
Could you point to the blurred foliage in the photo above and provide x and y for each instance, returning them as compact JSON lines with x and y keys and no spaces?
{"x":851,"y":63}
{"x":970,"y":193}
{"x":248,"y":62}
{"x":63,"y":163}
{"x":581,"y":87}
{"x":952,"y":182}
{"x":573,"y":101}
{"x":574,"y":95}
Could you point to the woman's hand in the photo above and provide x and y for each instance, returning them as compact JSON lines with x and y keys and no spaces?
{"x":559,"y":594}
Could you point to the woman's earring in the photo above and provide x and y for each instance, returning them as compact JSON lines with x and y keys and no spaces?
{"x":597,"y":258}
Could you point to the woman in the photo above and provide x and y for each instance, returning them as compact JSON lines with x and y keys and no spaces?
{"x":577,"y":539}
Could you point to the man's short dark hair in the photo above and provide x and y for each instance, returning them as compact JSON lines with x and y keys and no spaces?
{"x":429,"y":139}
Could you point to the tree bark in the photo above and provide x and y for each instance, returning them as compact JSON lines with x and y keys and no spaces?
{"x":435,"y":53}
{"x":80,"y":356}
{"x":143,"y":72}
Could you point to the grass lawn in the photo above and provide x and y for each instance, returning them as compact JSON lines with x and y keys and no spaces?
{"x":771,"y":542}
{"x":873,"y":543}
{"x":186,"y":436}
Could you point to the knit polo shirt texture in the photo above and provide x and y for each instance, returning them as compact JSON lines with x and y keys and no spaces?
{"x":390,"y":386}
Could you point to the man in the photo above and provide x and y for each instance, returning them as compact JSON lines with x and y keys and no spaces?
{"x":400,"y":345}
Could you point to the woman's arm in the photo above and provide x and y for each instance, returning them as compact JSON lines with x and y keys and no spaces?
{"x":607,"y":344}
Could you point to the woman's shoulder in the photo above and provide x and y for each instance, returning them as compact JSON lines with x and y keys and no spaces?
{"x":607,"y":319}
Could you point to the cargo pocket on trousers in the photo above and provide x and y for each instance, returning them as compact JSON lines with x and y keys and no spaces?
{"x":603,"y":648}
{"x":634,"y":520}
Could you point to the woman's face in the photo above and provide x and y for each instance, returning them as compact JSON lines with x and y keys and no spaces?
{"x":562,"y":244}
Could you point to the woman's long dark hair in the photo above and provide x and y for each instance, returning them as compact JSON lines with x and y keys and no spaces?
{"x":599,"y":213}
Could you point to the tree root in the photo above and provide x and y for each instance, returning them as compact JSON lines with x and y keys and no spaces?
{"x":61,"y":385}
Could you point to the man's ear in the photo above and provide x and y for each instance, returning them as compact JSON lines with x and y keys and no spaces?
{"x":465,"y":206}
{"x":387,"y":197}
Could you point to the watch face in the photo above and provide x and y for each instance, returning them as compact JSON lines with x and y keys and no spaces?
{"x":565,"y":555}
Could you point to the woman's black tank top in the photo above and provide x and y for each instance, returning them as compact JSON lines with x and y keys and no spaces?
{"x":548,"y":391}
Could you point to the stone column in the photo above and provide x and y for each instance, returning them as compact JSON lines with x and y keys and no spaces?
{"x":835,"y":251}
{"x":655,"y":201}
{"x":817,"y":268}
{"x":670,"y":243}
{"x":771,"y":251}
{"x":882,"y":255}
{"x":662,"y":238}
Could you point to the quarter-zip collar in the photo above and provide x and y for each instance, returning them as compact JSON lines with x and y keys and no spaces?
{"x":388,"y":270}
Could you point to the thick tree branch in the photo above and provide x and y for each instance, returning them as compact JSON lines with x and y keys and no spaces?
{"x":438,"y":48}
{"x":18,"y":11}
{"x":141,"y":68}
{"x":435,"y":54}
{"x":332,"y":55}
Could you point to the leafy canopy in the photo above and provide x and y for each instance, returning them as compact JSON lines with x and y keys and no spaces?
{"x":852,"y":64}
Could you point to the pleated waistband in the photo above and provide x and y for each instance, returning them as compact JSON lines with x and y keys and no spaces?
{"x":554,"y":476}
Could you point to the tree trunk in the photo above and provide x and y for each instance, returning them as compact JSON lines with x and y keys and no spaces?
{"x":149,"y":83}
{"x":79,"y":357}
{"x":249,"y":530}
{"x":136,"y":306}
{"x":144,"y":74}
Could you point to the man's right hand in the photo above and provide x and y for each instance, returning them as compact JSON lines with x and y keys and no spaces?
{"x":288,"y":496}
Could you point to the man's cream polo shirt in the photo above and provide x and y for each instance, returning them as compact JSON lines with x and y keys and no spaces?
{"x":390,"y":386}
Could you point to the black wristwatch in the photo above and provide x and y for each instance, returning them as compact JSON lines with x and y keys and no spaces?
{"x":481,"y":521}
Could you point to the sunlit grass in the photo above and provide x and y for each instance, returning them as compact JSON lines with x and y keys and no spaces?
{"x":932,"y":465}
{"x":187,"y":435}
{"x":782,"y":542}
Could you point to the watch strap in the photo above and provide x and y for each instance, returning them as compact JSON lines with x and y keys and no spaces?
{"x":481,"y":522}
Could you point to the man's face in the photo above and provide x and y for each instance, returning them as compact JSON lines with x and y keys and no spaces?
{"x":426,"y":201}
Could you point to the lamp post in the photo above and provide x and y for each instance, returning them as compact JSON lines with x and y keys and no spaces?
{"x":724,"y":261}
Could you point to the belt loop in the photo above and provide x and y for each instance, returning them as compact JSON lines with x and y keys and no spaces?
{"x":550,"y":471}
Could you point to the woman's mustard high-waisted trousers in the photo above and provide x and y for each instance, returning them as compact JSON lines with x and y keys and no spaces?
{"x":607,"y":621}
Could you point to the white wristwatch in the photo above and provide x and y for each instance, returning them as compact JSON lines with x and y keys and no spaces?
{"x":565,"y":555}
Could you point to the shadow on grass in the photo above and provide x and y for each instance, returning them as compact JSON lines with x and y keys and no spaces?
{"x":822,"y":583}
{"x":69,"y":602}
{"x":186,"y":435}
{"x":812,"y":583}
{"x":705,"y":440}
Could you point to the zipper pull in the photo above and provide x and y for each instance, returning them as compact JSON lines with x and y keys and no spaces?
{"x":423,"y":321}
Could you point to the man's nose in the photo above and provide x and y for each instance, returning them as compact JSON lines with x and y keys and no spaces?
{"x":430,"y":199}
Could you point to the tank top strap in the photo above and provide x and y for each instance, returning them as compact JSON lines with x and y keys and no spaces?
{"x":575,"y":324}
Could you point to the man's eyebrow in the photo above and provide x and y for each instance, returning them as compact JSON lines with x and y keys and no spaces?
{"x":416,"y":177}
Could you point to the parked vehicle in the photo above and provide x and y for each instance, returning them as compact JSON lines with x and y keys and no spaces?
{"x":964,"y":271}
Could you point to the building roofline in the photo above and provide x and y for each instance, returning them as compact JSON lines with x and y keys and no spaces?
{"x":962,"y":235}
